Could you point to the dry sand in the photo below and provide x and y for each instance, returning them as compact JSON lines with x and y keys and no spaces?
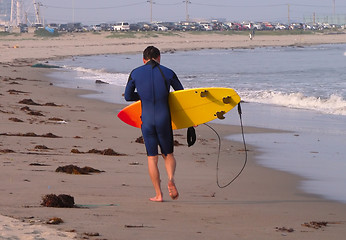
{"x":261,"y":204}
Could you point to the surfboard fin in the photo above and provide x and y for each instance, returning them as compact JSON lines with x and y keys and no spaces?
{"x":204,"y":93}
{"x":227,"y":100}
{"x":220,"y":115}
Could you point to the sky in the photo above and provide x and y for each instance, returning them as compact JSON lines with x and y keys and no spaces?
{"x":99,"y":11}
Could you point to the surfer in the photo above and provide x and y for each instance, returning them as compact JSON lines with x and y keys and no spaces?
{"x":153,"y":82}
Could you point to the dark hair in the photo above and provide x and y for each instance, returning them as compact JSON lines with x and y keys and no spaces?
{"x":151,"y":52}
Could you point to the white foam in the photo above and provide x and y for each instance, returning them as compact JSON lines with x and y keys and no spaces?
{"x":11,"y":228}
{"x":333,"y":105}
{"x":119,"y":79}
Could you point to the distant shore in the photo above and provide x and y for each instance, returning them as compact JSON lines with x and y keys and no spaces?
{"x":63,"y":129}
{"x":29,"y":47}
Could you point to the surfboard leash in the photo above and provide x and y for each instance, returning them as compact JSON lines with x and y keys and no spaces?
{"x":219,"y":150}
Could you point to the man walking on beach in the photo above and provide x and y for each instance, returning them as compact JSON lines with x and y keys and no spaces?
{"x":153,"y":82}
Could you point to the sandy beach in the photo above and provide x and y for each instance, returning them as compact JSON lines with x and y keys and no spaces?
{"x":59,"y":128}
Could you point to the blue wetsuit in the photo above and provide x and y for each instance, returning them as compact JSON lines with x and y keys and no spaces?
{"x":152,"y":89}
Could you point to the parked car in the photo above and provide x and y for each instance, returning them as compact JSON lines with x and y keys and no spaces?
{"x":236,"y":26}
{"x":121,"y":26}
{"x":280,"y":26}
{"x":268,"y":26}
{"x":135,"y":27}
{"x":106,"y":27}
{"x":191,"y":26}
{"x":23,"y":28}
{"x":172,"y":26}
{"x":206,"y":26}
{"x":38,"y":26}
{"x":63,"y":28}
{"x":53,"y":26}
{"x":74,"y":27}
{"x":257,"y":26}
{"x":159,"y":27}
{"x":96,"y":28}
{"x":145,"y":26}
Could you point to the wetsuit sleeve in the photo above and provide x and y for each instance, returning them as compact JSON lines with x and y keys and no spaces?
{"x":176,"y":84}
{"x":130,"y":94}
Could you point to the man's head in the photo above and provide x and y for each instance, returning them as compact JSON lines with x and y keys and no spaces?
{"x":151,"y":53}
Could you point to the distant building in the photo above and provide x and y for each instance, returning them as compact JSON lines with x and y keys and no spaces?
{"x":5,"y":11}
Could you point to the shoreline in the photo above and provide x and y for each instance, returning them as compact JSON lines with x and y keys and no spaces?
{"x":30,"y":48}
{"x":258,"y":203}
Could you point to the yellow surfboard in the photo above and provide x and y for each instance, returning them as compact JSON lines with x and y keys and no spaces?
{"x":189,"y":107}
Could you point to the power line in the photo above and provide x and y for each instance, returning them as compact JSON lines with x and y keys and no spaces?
{"x":97,"y":8}
{"x":236,"y":6}
{"x":170,"y":4}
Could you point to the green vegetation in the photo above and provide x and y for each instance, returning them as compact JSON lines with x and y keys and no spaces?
{"x":284,"y":32}
{"x":4,"y":34}
{"x":261,"y":33}
{"x":44,"y":33}
{"x":122,"y":35}
{"x":149,"y":34}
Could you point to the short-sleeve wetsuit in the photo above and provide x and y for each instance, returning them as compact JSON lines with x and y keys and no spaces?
{"x":152,"y":89}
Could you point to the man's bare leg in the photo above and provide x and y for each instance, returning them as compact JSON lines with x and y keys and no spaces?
{"x":170,"y":165}
{"x":155,"y":178}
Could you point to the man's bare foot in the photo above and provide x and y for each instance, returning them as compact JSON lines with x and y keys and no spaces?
{"x":173,"y":192}
{"x":156,"y":199}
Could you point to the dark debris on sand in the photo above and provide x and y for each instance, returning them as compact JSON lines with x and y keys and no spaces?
{"x":31,"y":112}
{"x":315,"y":224}
{"x":15,"y":119}
{"x":51,"y":104}
{"x":140,"y":140}
{"x":176,"y":143}
{"x":30,"y":134}
{"x":12,"y":91}
{"x":6,"y":151}
{"x":41,"y":147}
{"x":107,"y":152}
{"x":55,"y":119}
{"x":60,"y":201}
{"x":284,"y":229}
{"x":55,"y":221}
{"x":29,"y":102}
{"x":39,"y":164}
{"x":72,"y":169}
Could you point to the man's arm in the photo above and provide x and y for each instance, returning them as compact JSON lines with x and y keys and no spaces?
{"x":176,"y":84}
{"x":130,"y":94}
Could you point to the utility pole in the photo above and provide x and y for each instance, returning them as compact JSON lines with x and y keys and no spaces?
{"x":334,"y":7}
{"x":187,"y":10}
{"x":288,"y":15}
{"x":151,"y":9}
{"x":73,"y":13}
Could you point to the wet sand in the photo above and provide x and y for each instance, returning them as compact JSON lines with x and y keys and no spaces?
{"x":36,"y":139}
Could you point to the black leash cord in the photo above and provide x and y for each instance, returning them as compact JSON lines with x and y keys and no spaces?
{"x":219,"y":150}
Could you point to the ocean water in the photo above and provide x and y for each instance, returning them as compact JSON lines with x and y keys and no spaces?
{"x":298,"y":89}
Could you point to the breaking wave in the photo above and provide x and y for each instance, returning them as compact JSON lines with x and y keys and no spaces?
{"x":119,"y":79}
{"x":333,"y":105}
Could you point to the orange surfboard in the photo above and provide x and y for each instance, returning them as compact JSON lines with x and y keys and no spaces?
{"x":189,"y":107}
